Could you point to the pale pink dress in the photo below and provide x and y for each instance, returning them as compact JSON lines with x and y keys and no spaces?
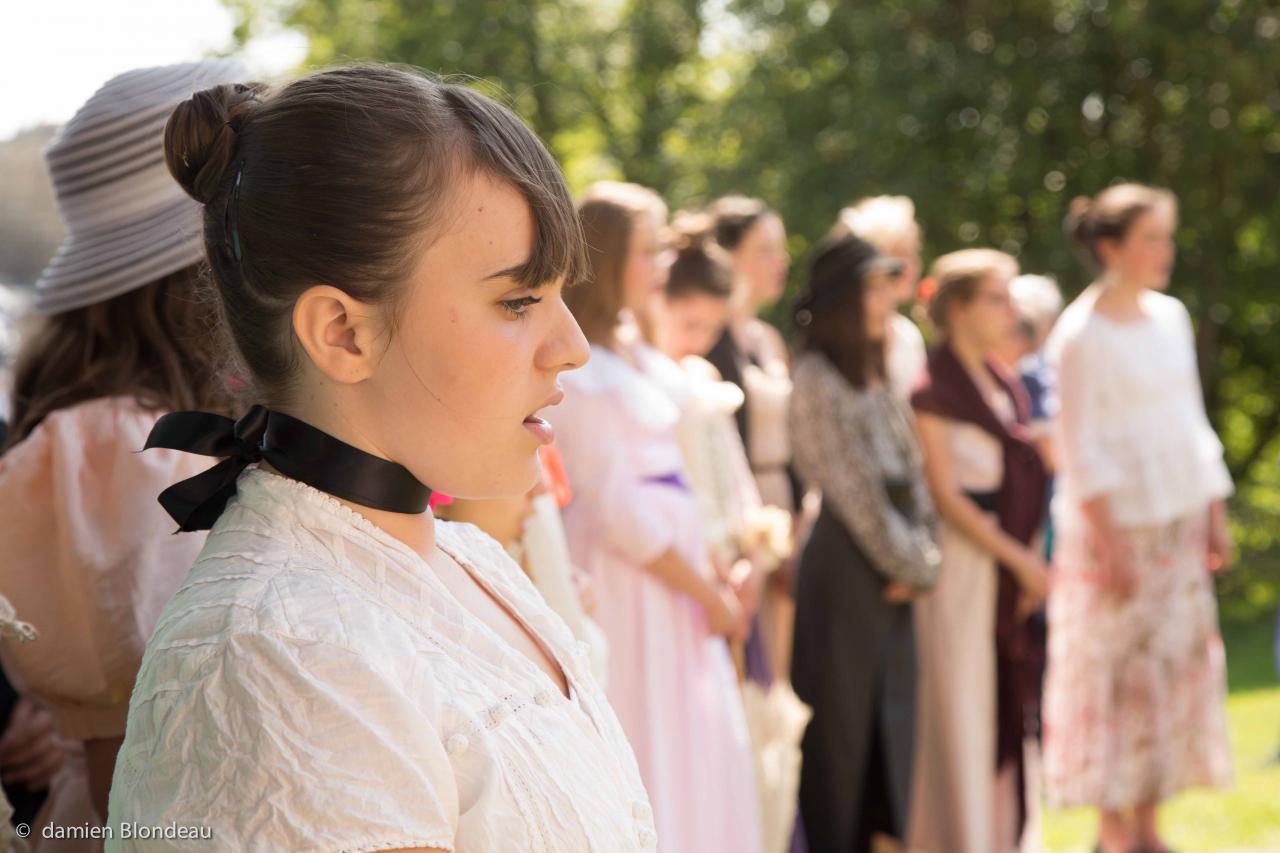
{"x":89,"y":560}
{"x":671,"y":681}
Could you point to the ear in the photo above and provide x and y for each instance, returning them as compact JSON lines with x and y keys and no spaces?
{"x":338,"y":333}
{"x":1108,"y":248}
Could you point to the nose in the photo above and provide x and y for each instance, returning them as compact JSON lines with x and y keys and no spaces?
{"x":566,"y":348}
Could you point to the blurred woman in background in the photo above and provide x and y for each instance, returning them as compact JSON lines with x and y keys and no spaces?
{"x":634,"y":525}
{"x":90,"y":558}
{"x":752,"y":355}
{"x":977,"y":682}
{"x":1136,"y":683}
{"x":871,"y":552}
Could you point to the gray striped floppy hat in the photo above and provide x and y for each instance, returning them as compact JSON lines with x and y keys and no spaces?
{"x":128,"y":221}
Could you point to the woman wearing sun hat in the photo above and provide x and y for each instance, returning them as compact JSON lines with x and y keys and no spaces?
{"x":89,"y":556}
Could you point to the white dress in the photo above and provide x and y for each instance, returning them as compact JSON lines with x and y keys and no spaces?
{"x":313,"y":685}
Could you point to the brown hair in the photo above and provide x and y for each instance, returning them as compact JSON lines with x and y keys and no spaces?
{"x":608,"y":214}
{"x":833,"y":311}
{"x":956,"y":276}
{"x":701,"y":266}
{"x":153,"y":343}
{"x":1110,"y":215}
{"x":334,"y":178}
{"x":733,"y":216}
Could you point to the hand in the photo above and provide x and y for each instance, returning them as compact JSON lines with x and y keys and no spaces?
{"x":896,"y":592}
{"x":748,"y":582}
{"x":31,"y":753}
{"x":726,"y":615}
{"x":1221,"y":547}
{"x":1112,"y":563}
{"x":1027,"y":605}
{"x":1032,"y":574}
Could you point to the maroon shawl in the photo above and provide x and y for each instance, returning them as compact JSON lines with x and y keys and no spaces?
{"x":947,"y":390}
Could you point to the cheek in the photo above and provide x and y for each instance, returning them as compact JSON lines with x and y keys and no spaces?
{"x":463,"y":367}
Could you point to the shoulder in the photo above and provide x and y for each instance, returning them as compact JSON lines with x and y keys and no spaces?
{"x":1168,"y":310}
{"x":815,"y":376}
{"x":906,"y":331}
{"x":608,"y":387}
{"x":810,"y":369}
{"x":79,"y":429}
{"x":1073,"y":328}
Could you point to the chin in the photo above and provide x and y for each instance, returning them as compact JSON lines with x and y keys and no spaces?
{"x":518,"y":475}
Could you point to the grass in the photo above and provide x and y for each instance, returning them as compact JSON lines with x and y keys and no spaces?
{"x":1248,"y":817}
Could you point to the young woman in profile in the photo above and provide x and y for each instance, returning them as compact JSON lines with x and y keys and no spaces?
{"x":1136,"y":681}
{"x":339,"y":671}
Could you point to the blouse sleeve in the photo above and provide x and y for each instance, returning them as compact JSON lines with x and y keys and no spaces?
{"x":837,"y":456}
{"x":1209,"y":447}
{"x":288,"y":744}
{"x":1085,"y":460}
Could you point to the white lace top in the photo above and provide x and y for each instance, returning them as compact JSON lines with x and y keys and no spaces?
{"x":313,"y":685}
{"x":1132,"y":424}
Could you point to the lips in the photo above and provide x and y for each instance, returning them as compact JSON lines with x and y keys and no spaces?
{"x":540,"y":427}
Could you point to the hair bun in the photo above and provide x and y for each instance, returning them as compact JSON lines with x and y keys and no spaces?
{"x":691,"y":231}
{"x":1078,"y":221}
{"x":200,"y":137}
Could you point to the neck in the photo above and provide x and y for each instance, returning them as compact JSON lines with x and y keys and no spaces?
{"x":1121,"y":289}
{"x":415,"y":530}
{"x":971,"y":353}
{"x":744,"y":305}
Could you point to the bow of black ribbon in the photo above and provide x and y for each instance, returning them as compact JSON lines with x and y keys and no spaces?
{"x":294,"y":448}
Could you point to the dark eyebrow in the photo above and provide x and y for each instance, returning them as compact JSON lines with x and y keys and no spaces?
{"x":520,"y":272}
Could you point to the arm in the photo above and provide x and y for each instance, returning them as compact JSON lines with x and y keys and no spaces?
{"x":1086,"y":462}
{"x":607,"y":490}
{"x":833,"y":451}
{"x":723,"y":609}
{"x":1220,"y":545}
{"x":959,"y":510}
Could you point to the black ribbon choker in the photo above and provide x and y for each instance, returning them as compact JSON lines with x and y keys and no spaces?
{"x":294,"y":448}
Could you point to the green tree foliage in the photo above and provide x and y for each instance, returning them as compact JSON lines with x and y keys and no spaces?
{"x":991,"y":114}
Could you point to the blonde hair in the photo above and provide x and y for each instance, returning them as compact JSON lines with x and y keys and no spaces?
{"x":881,"y":220}
{"x":956,"y":276}
{"x":609,"y":212}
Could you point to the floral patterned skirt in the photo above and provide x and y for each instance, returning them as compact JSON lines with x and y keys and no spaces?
{"x":1134,"y":696}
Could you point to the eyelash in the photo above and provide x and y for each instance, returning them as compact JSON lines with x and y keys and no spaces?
{"x":519,"y":307}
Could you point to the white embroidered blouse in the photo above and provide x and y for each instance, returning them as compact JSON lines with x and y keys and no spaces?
{"x":1132,"y":424}
{"x":312,"y":685}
